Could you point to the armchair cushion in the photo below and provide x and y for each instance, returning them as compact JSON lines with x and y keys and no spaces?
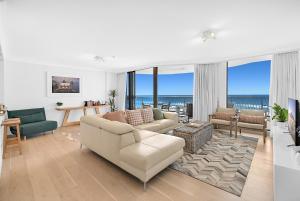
{"x":223,"y":115}
{"x":252,"y":119}
{"x":250,"y":125}
{"x":227,"y":110}
{"x":253,"y":112}
{"x":220,"y":121}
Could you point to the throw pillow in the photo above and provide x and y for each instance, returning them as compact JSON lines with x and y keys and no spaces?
{"x":252,"y":119}
{"x":223,"y":115}
{"x":134,"y":117}
{"x":147,"y":115}
{"x":157,"y":113}
{"x":116,"y":116}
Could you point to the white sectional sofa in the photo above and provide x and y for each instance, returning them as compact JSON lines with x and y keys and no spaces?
{"x":169,"y":122}
{"x":142,"y":153}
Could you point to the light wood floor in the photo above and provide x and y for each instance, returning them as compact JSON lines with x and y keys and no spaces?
{"x":53,"y":168}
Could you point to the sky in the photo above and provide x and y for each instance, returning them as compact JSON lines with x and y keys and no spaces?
{"x":168,"y":84}
{"x":247,"y":79}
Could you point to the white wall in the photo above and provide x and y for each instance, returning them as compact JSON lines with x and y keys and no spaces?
{"x":26,"y":87}
{"x":1,"y":81}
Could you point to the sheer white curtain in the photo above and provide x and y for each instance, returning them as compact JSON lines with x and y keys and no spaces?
{"x":285,"y":77}
{"x":121,"y":89}
{"x":209,"y":89}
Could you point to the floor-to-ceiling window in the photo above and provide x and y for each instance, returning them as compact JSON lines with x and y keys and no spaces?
{"x":144,"y":88}
{"x":248,"y":85}
{"x":175,"y":89}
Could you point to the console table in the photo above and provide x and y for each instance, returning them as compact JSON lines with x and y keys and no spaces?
{"x":286,"y":165}
{"x":67,"y":111}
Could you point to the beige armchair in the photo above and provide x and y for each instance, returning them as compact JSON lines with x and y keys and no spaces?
{"x":224,"y":117}
{"x":252,"y":120}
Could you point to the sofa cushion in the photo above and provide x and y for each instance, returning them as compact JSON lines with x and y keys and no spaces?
{"x":25,"y":112}
{"x":151,"y":151}
{"x":153,"y":126}
{"x":37,"y":127}
{"x":157,"y":114}
{"x":147,"y":115}
{"x":252,"y":119}
{"x":139,"y":135}
{"x":116,"y":116}
{"x":111,"y":126}
{"x":165,"y":123}
{"x":171,"y":115}
{"x":32,"y":118}
{"x":127,"y":139}
{"x":134,"y":117}
{"x":115,"y":126}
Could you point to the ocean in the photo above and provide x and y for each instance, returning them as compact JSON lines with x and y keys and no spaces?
{"x":237,"y":101}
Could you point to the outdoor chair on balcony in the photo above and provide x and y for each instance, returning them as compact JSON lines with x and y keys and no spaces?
{"x":252,"y":120}
{"x":225,"y":117}
{"x":146,"y":105}
{"x":165,"y":107}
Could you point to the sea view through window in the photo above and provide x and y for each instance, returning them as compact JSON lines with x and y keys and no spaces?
{"x":173,"y":89}
{"x":248,"y":87}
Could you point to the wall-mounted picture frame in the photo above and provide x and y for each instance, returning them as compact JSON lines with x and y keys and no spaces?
{"x":64,"y":84}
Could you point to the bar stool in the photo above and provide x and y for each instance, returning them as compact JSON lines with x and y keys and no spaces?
{"x":14,"y":122}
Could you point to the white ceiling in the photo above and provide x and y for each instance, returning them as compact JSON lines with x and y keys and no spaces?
{"x":144,"y":33}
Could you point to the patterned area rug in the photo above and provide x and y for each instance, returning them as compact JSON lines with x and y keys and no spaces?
{"x":223,"y":162}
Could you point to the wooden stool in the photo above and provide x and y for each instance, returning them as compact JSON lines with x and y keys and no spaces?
{"x":11,"y":141}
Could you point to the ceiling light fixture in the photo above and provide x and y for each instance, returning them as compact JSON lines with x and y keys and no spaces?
{"x":208,"y":35}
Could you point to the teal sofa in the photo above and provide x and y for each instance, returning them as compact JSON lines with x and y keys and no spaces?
{"x":33,"y":122}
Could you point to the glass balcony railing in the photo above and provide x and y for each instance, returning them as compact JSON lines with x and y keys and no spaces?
{"x":236,"y":101}
{"x":257,"y":102}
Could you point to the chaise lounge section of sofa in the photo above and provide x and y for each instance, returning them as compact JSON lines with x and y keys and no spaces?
{"x":142,"y":153}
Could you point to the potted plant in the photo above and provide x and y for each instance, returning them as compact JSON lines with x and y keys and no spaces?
{"x":59,"y":103}
{"x":112,"y":99}
{"x":280,"y":113}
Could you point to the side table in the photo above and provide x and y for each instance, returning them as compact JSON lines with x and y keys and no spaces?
{"x":15,"y":122}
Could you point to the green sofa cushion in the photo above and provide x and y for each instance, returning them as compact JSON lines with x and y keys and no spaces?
{"x":32,"y":129}
{"x":157,"y":114}
{"x":38,"y":127}
{"x":26,"y":112}
{"x":32,"y":118}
